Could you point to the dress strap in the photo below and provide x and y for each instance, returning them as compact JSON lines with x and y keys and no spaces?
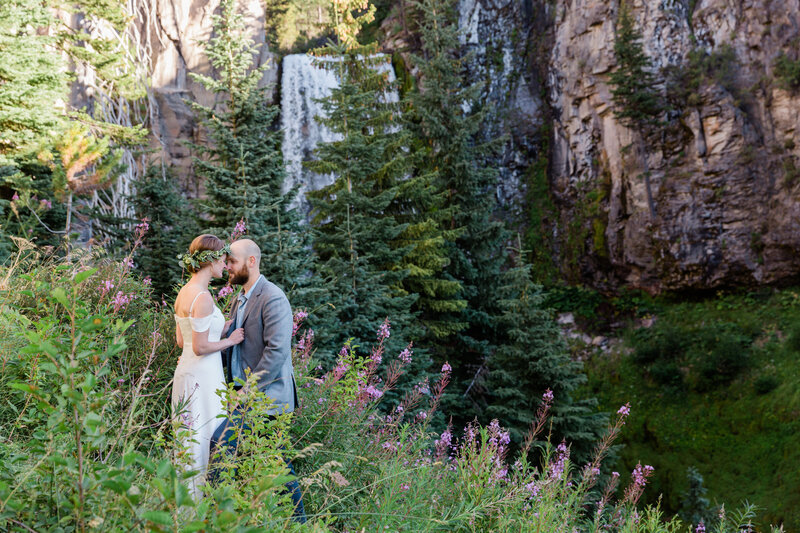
{"x":195,"y":299}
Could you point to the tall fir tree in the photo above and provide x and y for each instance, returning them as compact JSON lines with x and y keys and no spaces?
{"x":446,"y":117}
{"x":356,"y":236}
{"x":172,"y":225}
{"x":242,"y":166}
{"x":531,"y":358}
{"x":637,"y":103}
{"x":377,"y":244}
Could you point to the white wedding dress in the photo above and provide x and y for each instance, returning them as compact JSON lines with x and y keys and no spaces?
{"x":194,"y":391}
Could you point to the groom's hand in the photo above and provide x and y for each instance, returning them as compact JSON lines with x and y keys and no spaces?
{"x":227,"y":325}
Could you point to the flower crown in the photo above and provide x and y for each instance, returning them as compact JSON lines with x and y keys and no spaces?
{"x":196,"y":259}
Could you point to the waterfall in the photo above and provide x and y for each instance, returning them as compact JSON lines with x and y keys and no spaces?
{"x":301,"y":84}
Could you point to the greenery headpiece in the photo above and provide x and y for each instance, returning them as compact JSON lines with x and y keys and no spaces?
{"x":196,"y":259}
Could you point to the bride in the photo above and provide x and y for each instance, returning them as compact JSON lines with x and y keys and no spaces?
{"x":199,"y":372}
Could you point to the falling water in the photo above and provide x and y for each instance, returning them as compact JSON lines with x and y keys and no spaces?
{"x":302,"y":84}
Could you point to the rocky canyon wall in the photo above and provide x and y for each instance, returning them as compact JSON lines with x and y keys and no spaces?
{"x":722,"y":164}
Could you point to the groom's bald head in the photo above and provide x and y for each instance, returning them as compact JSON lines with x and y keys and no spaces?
{"x":244,"y":261}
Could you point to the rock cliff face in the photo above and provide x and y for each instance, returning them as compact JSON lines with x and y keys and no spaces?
{"x":723,"y":167}
{"x":722,"y":176}
{"x":174,"y":33}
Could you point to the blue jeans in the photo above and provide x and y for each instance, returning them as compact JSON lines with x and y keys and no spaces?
{"x":226,"y":436}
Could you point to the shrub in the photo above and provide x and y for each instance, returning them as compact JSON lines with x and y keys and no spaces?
{"x":787,"y":72}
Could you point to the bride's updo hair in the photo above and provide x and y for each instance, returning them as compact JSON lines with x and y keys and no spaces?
{"x":202,"y":243}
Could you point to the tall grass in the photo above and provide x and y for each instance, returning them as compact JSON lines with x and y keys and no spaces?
{"x":88,"y":443}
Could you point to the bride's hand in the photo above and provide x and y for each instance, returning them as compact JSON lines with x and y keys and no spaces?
{"x":227,"y":325}
{"x":237,"y":336}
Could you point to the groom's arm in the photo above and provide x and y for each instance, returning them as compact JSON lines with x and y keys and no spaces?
{"x":277,"y":318}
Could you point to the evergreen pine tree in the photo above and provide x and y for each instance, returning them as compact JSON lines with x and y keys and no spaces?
{"x":637,"y":102}
{"x":172,"y":226}
{"x":447,"y":120}
{"x":532,"y":358}
{"x":243,"y":165}
{"x":377,"y":243}
{"x":357,"y":239}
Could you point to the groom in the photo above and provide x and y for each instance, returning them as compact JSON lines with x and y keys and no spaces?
{"x":263,"y":310}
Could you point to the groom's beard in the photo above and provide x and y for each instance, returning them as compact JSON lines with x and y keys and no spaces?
{"x":241,"y":277}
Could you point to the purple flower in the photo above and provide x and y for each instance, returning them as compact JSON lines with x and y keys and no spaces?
{"x":120,"y":380}
{"x":624,"y":411}
{"x":446,"y":368}
{"x":15,"y":197}
{"x":422,"y":415}
{"x":405,"y":355}
{"x":404,"y":487}
{"x":701,"y":528}
{"x":239,"y":230}
{"x":373,"y":392}
{"x":147,"y":281}
{"x":128,"y":262}
{"x":224,"y":291}
{"x":47,"y":204}
{"x":121,"y":300}
{"x":384,"y":330}
{"x":547,"y":397}
{"x":106,"y":286}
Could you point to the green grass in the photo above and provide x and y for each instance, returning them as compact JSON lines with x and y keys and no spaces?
{"x":742,"y":435}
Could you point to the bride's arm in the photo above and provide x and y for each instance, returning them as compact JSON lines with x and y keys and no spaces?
{"x":200,"y":343}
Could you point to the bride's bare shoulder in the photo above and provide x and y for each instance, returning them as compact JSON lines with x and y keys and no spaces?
{"x":187,"y":295}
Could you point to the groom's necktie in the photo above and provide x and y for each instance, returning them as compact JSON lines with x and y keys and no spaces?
{"x":237,"y":368}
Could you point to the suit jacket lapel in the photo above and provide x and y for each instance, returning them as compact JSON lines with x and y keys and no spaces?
{"x":251,"y":303}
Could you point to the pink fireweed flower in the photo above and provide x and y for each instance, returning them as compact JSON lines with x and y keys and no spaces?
{"x":384,"y":331}
{"x":106,"y":286}
{"x":625,"y":410}
{"x":46,"y":204}
{"x":443,"y":444}
{"x":547,"y":397}
{"x":147,"y":281}
{"x":140,"y":230}
{"x":446,"y":368}
{"x":128,"y":262}
{"x":405,"y":355}
{"x":701,"y":528}
{"x":422,"y":415}
{"x":224,"y":291}
{"x":404,"y":487}
{"x":559,"y":465}
{"x":121,"y":300}
{"x":15,"y":197}
{"x":372,"y":392}
{"x":297,"y":320}
{"x":239,"y":230}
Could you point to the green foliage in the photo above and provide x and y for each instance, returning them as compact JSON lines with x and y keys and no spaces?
{"x":243,"y":164}
{"x":713,"y":421}
{"x":787,"y":71}
{"x":635,"y":98}
{"x":32,"y":79}
{"x":695,"y":507}
{"x":361,"y":236}
{"x":171,"y":219}
{"x":446,"y":119}
{"x":531,"y":358}
{"x":718,"y":67}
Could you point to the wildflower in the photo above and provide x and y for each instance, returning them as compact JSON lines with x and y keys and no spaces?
{"x":405,"y":355}
{"x":701,"y":527}
{"x":15,"y":197}
{"x":562,"y":455}
{"x":384,"y":330}
{"x":45,"y":203}
{"x":224,"y":291}
{"x":625,"y":410}
{"x":106,"y":286}
{"x":446,"y":368}
{"x":120,"y":301}
{"x":547,"y":397}
{"x":147,"y":281}
{"x":399,"y":409}
{"x":163,"y":302}
{"x":239,"y":230}
{"x":404,"y":487}
{"x":422,"y":415}
{"x":120,"y":380}
{"x":140,"y":229}
{"x":373,"y":392}
{"x":128,"y":262}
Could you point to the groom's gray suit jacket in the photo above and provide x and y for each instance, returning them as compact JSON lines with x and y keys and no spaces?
{"x":266,"y":349}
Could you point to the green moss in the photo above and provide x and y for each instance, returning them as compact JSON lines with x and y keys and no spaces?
{"x":742,"y":433}
{"x":404,"y":77}
{"x":787,"y":72}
